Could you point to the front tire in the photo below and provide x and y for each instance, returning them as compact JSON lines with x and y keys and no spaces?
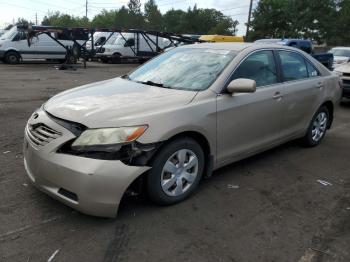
{"x":12,"y":58}
{"x":317,"y":128}
{"x":176,"y":171}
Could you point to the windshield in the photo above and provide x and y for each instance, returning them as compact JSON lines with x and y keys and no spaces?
{"x":9,"y":34}
{"x":111,"y":40}
{"x":340,"y":52}
{"x":184,"y":68}
{"x":119,"y":41}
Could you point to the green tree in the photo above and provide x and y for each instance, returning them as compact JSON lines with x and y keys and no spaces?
{"x":58,"y":19}
{"x":271,"y":20}
{"x":341,"y":24}
{"x":173,"y":21}
{"x":312,"y":19}
{"x":105,"y":19}
{"x":153,"y":17}
{"x":136,"y":19}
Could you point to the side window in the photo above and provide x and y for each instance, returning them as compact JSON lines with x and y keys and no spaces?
{"x":293,"y":66}
{"x":20,"y":36}
{"x":313,"y":72}
{"x":260,"y":67}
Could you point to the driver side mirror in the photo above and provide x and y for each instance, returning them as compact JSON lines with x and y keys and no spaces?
{"x":241,"y":85}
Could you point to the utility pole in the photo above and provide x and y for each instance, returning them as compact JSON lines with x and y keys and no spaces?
{"x":36,"y":18}
{"x":86,"y":8}
{"x":249,"y":16}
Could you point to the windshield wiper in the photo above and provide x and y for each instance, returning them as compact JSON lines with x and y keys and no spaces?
{"x":151,"y":83}
{"x":125,"y":77}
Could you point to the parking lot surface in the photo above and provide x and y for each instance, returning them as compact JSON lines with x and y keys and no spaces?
{"x":270,"y":207}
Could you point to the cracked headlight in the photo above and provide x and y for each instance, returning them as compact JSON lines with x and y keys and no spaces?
{"x":109,"y":136}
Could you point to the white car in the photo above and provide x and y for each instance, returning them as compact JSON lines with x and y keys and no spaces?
{"x":2,"y":31}
{"x":129,"y":45}
{"x":341,"y":55}
{"x":99,"y":39}
{"x":14,"y":47}
{"x":343,"y":71}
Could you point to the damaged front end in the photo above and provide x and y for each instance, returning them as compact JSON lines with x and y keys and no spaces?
{"x":130,"y":153}
{"x":134,"y":153}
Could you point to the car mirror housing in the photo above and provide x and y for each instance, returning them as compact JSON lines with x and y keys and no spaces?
{"x":241,"y":85}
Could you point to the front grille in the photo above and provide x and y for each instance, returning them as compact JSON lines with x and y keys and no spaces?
{"x":346,"y":81}
{"x":346,"y":74}
{"x":40,"y":134}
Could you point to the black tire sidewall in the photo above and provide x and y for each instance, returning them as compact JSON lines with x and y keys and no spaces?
{"x":153,"y":181}
{"x":7,"y":58}
{"x":308,"y":137}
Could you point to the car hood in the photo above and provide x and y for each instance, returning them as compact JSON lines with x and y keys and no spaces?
{"x":114,"y":102}
{"x":341,"y":58}
{"x":344,"y":68}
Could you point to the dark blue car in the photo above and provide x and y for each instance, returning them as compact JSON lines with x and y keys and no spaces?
{"x":306,"y":45}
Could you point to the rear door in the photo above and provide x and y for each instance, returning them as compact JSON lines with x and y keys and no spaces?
{"x":302,"y":89}
{"x":249,"y":122}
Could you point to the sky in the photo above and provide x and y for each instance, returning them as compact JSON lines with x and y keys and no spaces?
{"x":28,"y":9}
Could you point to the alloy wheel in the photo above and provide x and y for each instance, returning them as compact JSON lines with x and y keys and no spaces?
{"x":319,"y":126}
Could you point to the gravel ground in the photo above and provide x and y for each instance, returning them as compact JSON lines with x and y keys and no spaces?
{"x":278,"y":213}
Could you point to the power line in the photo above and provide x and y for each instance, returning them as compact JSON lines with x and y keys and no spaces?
{"x":236,"y":7}
{"x":24,"y":7}
{"x":53,"y":5}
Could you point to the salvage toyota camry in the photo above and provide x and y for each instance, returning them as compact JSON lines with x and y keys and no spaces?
{"x":174,"y":120}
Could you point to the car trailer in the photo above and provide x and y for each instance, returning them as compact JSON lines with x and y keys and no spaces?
{"x":79,"y":50}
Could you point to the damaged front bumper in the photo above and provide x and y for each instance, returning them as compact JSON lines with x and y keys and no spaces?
{"x":92,"y":186}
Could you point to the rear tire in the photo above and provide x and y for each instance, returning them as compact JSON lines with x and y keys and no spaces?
{"x":176,"y":172}
{"x":317,"y":128}
{"x":12,"y":58}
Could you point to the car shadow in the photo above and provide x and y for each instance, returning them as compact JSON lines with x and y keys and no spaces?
{"x":345,"y":103}
{"x":140,"y":203}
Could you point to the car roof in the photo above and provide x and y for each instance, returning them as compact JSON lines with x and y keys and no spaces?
{"x":341,"y":47}
{"x":236,"y":46}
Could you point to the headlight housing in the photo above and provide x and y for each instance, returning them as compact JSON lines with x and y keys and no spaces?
{"x":338,"y":73}
{"x":109,"y":136}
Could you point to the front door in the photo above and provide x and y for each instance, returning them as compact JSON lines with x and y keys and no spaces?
{"x":249,"y":122}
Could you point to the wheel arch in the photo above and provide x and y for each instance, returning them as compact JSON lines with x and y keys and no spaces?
{"x":330,"y":106}
{"x":138,"y":183}
{"x":15,"y":51}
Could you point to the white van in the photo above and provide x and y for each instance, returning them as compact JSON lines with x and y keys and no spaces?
{"x":2,"y":31}
{"x":118,"y":46}
{"x":14,"y":47}
{"x":99,"y":39}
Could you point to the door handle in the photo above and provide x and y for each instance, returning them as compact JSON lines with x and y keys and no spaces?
{"x":277,"y":96}
{"x":319,"y":85}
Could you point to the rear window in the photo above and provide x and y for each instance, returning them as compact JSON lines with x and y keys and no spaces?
{"x":311,"y":69}
{"x":293,"y":66}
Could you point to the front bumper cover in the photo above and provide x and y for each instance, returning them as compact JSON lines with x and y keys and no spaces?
{"x":97,"y":186}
